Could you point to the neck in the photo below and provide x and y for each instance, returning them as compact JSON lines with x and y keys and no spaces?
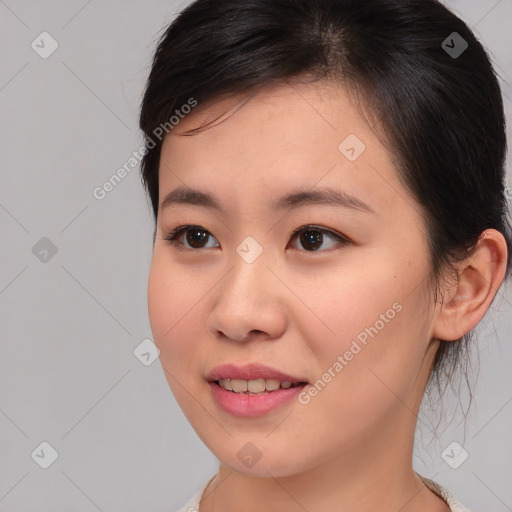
{"x":374,"y":476}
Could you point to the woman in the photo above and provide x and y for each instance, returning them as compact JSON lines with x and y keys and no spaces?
{"x":327,"y":181}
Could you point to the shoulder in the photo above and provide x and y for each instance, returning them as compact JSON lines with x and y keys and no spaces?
{"x":445,"y":494}
{"x":192,"y":504}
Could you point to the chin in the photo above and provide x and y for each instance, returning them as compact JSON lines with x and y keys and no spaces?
{"x":247,"y":459}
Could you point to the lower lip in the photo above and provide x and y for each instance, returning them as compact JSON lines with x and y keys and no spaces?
{"x":241,"y":404}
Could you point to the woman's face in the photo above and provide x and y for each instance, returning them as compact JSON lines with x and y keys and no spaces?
{"x":343,"y":305}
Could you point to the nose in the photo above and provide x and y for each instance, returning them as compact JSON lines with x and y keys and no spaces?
{"x":248,"y":303}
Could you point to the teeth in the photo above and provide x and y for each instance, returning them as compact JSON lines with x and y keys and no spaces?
{"x":271,"y":384}
{"x":239,"y":386}
{"x":226,"y":384}
{"x":254,"y":386}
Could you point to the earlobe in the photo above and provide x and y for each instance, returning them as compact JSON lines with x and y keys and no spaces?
{"x":479,"y":277}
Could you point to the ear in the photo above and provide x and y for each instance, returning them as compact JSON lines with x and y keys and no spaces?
{"x":479,"y":277}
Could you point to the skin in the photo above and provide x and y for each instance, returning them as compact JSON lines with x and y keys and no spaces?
{"x":294,"y":309}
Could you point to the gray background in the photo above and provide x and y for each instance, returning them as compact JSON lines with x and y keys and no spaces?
{"x":70,"y":324}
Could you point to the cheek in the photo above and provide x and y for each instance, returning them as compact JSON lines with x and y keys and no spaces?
{"x":173,"y":304}
{"x":374,"y":318}
{"x":348,"y":300}
{"x":366,"y":375}
{"x":174,"y":307}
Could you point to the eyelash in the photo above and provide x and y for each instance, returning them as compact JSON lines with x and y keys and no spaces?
{"x":172,"y":237}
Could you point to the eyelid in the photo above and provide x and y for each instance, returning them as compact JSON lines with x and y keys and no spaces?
{"x":341,"y":240}
{"x":316,"y":227}
{"x":173,"y":235}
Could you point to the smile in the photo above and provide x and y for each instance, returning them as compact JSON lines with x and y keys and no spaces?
{"x":255,"y":386}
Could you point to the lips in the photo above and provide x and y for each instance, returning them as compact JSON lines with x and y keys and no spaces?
{"x":252,"y":371}
{"x":252,"y":390}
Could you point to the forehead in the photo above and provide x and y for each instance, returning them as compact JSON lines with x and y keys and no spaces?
{"x":280,"y":137}
{"x":286,"y":117}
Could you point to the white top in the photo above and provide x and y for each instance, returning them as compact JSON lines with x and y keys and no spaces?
{"x":455,"y":506}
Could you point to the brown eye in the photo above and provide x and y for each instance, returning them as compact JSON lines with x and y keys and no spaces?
{"x":196,"y":237}
{"x":311,"y":238}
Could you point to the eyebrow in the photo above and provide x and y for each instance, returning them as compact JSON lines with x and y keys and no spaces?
{"x":294,"y":200}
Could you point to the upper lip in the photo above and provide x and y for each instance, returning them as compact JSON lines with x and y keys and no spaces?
{"x":250,"y":371}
